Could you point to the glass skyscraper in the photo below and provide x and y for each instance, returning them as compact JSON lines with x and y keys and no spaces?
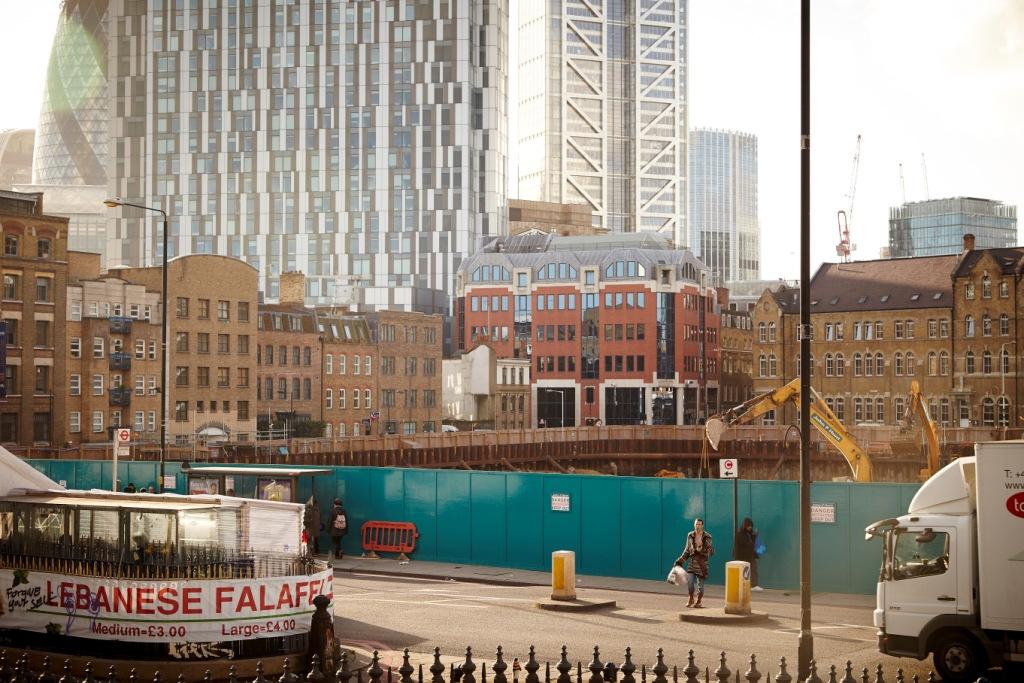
{"x":937,"y":226}
{"x":724,"y":228}
{"x":361,"y":142}
{"x":602,"y":110}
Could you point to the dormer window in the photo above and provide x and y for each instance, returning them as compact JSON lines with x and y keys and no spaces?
{"x":986,"y":288}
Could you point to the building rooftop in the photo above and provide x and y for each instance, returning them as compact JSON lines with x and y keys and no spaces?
{"x":922,"y":282}
{"x":1010,"y":260}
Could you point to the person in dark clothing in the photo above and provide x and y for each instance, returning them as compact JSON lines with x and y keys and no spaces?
{"x":745,"y":548}
{"x":312,"y":524}
{"x":338,"y":527}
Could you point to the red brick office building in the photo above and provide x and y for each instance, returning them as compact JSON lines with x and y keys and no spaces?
{"x":618,"y":328}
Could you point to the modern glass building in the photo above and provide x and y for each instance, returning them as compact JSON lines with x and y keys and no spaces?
{"x":602,"y":110}
{"x":70,"y":159}
{"x":360,"y":142}
{"x":725,"y":232}
{"x":937,"y":226}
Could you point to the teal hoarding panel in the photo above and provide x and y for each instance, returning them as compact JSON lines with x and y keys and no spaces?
{"x":870,"y":503}
{"x":387,"y":495}
{"x":600,"y":514}
{"x":525,"y":500}
{"x":454,"y":516}
{"x":718,"y":522}
{"x":487,"y":500}
{"x":682,"y":500}
{"x":561,"y":528}
{"x":831,"y":539}
{"x":639,"y":533}
{"x":421,"y":510}
{"x":774,"y":507}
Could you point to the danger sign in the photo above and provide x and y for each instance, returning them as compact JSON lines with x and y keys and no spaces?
{"x":728,"y":468}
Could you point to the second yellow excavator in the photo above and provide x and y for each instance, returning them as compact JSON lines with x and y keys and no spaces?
{"x":917,"y":412}
{"x":821,"y":417}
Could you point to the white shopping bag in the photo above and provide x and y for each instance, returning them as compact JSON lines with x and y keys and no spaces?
{"x":677,"y":576}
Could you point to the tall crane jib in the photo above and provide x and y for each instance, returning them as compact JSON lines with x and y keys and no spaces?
{"x":845,"y":217}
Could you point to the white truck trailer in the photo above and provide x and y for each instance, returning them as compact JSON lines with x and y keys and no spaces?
{"x":952,"y":577}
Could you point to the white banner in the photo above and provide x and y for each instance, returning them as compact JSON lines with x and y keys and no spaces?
{"x":160,"y":611}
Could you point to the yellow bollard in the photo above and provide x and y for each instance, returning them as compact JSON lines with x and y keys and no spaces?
{"x":563,"y":575}
{"x":737,"y":587}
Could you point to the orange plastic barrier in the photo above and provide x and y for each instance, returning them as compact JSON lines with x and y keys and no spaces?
{"x":389,"y":537}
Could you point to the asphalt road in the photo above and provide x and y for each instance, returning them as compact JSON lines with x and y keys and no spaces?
{"x":392,"y":613}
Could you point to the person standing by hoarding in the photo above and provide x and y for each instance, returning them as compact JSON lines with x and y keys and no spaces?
{"x":338,"y":527}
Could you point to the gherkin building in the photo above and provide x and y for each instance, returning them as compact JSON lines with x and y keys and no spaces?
{"x":71,"y":139}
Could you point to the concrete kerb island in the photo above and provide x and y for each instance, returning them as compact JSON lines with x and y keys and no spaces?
{"x":720,"y":617}
{"x":563,"y":587}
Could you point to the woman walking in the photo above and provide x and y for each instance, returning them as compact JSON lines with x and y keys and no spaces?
{"x":745,"y":548}
{"x":339,"y":527}
{"x":697,"y":552}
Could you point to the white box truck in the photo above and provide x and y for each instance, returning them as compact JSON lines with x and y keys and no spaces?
{"x":952,"y":578}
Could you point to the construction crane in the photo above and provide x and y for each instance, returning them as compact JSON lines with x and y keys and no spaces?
{"x":822,"y":417}
{"x":844,"y":218}
{"x":924,"y":172}
{"x":917,"y":412}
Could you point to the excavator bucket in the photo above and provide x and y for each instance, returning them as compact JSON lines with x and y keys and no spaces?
{"x":714,"y":429}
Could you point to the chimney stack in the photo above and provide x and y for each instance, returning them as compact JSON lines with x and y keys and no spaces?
{"x":968,"y":241}
{"x":293,"y":288}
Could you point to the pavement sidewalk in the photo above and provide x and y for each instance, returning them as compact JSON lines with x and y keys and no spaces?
{"x":445,"y":571}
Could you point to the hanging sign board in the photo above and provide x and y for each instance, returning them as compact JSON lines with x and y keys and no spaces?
{"x":728,"y":468}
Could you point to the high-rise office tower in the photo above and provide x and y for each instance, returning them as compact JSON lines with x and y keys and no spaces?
{"x":725,"y":233}
{"x":937,"y":226}
{"x":70,"y":159}
{"x":361,"y":142}
{"x":602,"y":110}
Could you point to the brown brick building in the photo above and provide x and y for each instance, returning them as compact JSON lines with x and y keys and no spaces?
{"x":35,"y":270}
{"x":288,"y":359}
{"x":737,"y":350}
{"x":878,"y":325}
{"x":112,"y":355}
{"x":409,"y":377}
{"x":350,"y":371}
{"x":213,"y":337}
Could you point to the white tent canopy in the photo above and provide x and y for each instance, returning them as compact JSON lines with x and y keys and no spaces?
{"x":17,"y":474}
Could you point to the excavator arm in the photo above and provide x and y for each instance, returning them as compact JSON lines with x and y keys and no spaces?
{"x":919,"y":411}
{"x":821,"y":417}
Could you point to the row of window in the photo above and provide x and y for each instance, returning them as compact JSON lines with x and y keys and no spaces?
{"x":42,"y":383}
{"x":143,"y":348}
{"x":364,"y":366}
{"x":903,"y":364}
{"x":181,"y":409}
{"x":143,"y":421}
{"x":100,"y":381}
{"x":342,"y":404}
{"x":182,"y":377}
{"x":301,"y":355}
{"x":183,"y":304}
{"x":182,"y":343}
{"x":986,"y":289}
{"x":986,"y":325}
{"x":410,"y":334}
{"x":42,"y":338}
{"x":43,"y":291}
{"x":107,"y":309}
{"x":12,"y":246}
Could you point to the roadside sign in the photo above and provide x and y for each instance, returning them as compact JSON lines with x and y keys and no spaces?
{"x":122,"y":441}
{"x":375,"y":415}
{"x":823,"y":513}
{"x":728,"y":468}
{"x":560,"y":502}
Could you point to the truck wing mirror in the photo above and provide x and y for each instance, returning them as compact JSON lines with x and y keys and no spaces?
{"x":878,"y":528}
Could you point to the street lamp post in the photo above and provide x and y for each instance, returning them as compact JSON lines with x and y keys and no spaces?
{"x":113,"y":203}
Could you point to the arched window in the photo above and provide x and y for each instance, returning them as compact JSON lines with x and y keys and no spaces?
{"x":899,"y":407}
{"x":968,"y":326}
{"x":1004,"y":325}
{"x":969,"y":290}
{"x":1004,"y":289}
{"x":986,"y":325}
{"x":879,"y":410}
{"x":986,"y":362}
{"x":986,"y":287}
{"x":840,"y":365}
{"x":830,"y":367}
{"x":897,"y":362}
{"x":969,"y":362}
{"x":858,"y":365}
{"x":762,"y":333}
{"x":944,"y":412}
{"x":879,"y":364}
{"x":988,"y":412}
{"x":355,"y":429}
{"x":1004,"y":411}
{"x":933,"y":364}
{"x":841,"y":409}
{"x":771,"y":332}
{"x":762,"y":365}
{"x":910,"y":363}
{"x":943,"y":363}
{"x":328,"y":431}
{"x":341,"y":429}
{"x":773,"y":368}
{"x":1004,"y":361}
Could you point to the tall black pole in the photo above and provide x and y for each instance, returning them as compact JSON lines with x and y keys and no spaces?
{"x":805,"y":647}
{"x":164,"y":393}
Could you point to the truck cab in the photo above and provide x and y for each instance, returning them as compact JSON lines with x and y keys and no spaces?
{"x":930,"y":586}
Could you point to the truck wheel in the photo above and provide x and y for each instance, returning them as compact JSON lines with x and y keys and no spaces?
{"x":959,"y":658}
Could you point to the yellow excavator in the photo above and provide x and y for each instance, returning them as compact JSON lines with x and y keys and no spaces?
{"x":917,"y":412}
{"x":821,"y":416}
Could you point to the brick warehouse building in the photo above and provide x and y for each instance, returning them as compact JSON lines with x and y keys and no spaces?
{"x":618,"y":328}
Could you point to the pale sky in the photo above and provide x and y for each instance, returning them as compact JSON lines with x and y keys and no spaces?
{"x":939,"y":77}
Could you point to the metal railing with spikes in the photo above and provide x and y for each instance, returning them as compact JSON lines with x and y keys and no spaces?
{"x":468,"y":671}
